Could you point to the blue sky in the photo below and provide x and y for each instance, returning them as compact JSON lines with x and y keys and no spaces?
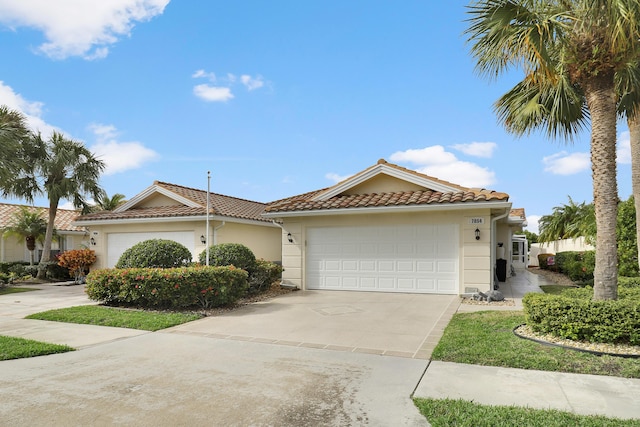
{"x":277,"y":98}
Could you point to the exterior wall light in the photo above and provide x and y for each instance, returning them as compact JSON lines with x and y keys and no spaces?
{"x":477,"y":234}
{"x":203,"y":240}
{"x":290,"y":238}
{"x":92,"y":241}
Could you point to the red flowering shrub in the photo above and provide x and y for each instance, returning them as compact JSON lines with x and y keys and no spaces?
{"x":77,"y":261}
{"x":184,"y":287}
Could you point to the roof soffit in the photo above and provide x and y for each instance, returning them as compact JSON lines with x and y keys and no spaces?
{"x":379,"y":169}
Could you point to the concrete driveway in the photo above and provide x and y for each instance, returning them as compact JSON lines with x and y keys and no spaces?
{"x":271,"y":363}
{"x":391,"y":324}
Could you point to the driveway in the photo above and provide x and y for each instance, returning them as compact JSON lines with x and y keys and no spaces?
{"x":307,"y":358}
{"x":390,"y":324}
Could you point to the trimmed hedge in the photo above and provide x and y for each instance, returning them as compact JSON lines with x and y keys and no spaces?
{"x":235,"y":254}
{"x":155,"y":253}
{"x":185,"y":287}
{"x":573,"y":315}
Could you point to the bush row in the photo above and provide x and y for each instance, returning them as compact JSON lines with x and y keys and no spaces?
{"x":184,"y":287}
{"x":578,"y":266}
{"x":573,"y":315}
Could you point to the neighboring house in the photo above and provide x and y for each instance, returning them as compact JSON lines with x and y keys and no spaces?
{"x":391,"y":229}
{"x":562,"y":245}
{"x":14,"y":248}
{"x":174,"y":212}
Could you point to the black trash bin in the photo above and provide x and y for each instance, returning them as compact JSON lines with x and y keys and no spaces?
{"x":501,"y":270}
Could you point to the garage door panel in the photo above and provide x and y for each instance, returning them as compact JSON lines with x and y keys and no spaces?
{"x":393,"y":258}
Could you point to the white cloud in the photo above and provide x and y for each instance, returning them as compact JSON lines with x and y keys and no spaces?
{"x":435,"y":161}
{"x":532,"y":223}
{"x":212,"y":93}
{"x":623,"y":155}
{"x":477,"y":149}
{"x":252,"y":83}
{"x":203,"y":74}
{"x":79,"y":27}
{"x":118,"y":156}
{"x":563,"y":163}
{"x":32,"y":110}
{"x":336,"y":178}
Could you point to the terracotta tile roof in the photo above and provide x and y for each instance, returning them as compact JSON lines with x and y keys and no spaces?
{"x":64,"y":217}
{"x":306,"y":202}
{"x":221,"y":205}
{"x":518,"y":212}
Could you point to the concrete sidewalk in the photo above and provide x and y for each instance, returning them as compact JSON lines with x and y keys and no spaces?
{"x":489,"y":385}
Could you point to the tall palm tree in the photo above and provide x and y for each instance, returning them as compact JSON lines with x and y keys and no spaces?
{"x":583,"y":43}
{"x":59,"y":168}
{"x":30,"y":225}
{"x":13,"y":131}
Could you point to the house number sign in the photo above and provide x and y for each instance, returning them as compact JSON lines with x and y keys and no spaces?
{"x":476,"y":221}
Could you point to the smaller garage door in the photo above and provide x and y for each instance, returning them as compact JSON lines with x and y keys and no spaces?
{"x":396,"y":258}
{"x":117,"y":243}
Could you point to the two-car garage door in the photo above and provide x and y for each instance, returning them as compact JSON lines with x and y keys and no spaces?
{"x":394,"y":258}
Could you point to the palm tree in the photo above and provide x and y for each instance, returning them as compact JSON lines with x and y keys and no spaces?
{"x":30,"y":225}
{"x":583,"y":43}
{"x":568,"y":221}
{"x":13,"y":131}
{"x":59,"y":168}
{"x":106,"y":203}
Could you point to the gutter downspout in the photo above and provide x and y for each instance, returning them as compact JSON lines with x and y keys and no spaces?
{"x":215,"y":232}
{"x":494,"y":244}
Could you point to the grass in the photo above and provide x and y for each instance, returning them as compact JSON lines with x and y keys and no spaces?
{"x":486,"y":338}
{"x":14,"y":290}
{"x":18,"y":348}
{"x":122,"y":318}
{"x":449,"y":412}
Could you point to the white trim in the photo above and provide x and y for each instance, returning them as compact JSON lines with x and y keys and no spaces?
{"x":387,"y":170}
{"x":388,"y":209}
{"x":150,"y":191}
{"x":172,"y":219}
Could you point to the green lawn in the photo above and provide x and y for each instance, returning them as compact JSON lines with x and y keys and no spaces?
{"x":460,"y":413}
{"x":14,"y":290}
{"x":18,"y":348}
{"x":486,"y":338}
{"x":122,"y":318}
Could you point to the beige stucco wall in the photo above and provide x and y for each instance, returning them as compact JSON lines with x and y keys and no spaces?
{"x":264,"y":241}
{"x":474,"y":255}
{"x":15,"y":249}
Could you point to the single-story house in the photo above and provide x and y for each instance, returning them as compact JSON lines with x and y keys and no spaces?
{"x":14,"y":248}
{"x":174,"y":212}
{"x":391,"y":229}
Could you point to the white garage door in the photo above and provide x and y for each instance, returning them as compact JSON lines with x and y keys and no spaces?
{"x":400,"y":258}
{"x":117,"y":243}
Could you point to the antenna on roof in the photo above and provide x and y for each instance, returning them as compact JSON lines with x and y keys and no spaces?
{"x":208,"y":204}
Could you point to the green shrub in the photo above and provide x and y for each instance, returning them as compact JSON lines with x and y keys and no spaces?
{"x":155,"y":253}
{"x":628,"y":281}
{"x":264,"y":275}
{"x":573,"y":315}
{"x":8,"y":267}
{"x":578,"y":266}
{"x":234,"y":254}
{"x":542,"y":261}
{"x":4,"y":279}
{"x":184,"y":287}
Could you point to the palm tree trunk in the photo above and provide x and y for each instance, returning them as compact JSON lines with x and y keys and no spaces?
{"x":634,"y":138}
{"x":48,"y":238}
{"x":601,"y":99}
